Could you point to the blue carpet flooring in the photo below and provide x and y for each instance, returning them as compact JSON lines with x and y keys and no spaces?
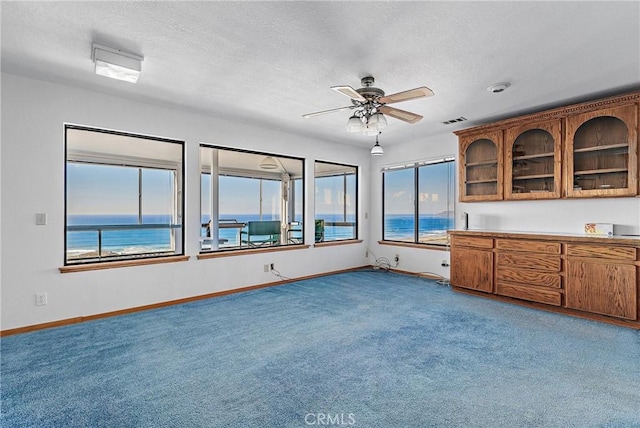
{"x":360,"y":349}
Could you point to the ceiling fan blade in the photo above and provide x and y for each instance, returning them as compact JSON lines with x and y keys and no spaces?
{"x":350,"y":92}
{"x":400,"y":114}
{"x":411,"y":94}
{"x":318,"y":113}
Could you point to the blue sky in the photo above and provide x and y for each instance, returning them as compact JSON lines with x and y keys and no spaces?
{"x":239,"y":195}
{"x":399,"y":189}
{"x":101,"y":189}
{"x":329,"y":198}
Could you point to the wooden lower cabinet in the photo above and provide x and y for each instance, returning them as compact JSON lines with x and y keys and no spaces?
{"x":602,"y":287}
{"x":595,"y":277}
{"x":475,"y":269}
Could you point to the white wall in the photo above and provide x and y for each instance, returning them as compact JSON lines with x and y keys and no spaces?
{"x":557,"y":216}
{"x":411,"y":259}
{"x":33,"y":114}
{"x":32,"y":181}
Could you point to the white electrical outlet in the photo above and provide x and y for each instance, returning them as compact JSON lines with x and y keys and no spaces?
{"x":41,"y":299}
{"x":266,"y":268}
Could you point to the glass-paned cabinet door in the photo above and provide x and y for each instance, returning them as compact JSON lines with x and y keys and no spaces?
{"x":601,"y":153}
{"x":481,"y":167}
{"x":533,"y":161}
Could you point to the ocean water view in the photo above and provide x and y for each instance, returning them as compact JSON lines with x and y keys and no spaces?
{"x":124,"y":241}
{"x":331,"y":233}
{"x":401,"y":227}
{"x":139,"y":241}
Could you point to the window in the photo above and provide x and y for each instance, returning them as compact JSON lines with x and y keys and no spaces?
{"x":250,"y":200}
{"x":419,"y":202}
{"x":336,"y":202}
{"x":123,"y":196}
{"x":399,"y":205}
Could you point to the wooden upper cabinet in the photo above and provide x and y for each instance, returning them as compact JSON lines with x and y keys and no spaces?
{"x":481,"y":167}
{"x":601,"y":156}
{"x":533,"y":161}
{"x":583,"y":150}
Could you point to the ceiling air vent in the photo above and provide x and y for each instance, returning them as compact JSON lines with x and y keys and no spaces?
{"x":460,"y":119}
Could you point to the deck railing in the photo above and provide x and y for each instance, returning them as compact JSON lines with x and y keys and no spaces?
{"x":116,"y":227}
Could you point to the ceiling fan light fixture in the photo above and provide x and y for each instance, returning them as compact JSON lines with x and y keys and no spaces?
{"x":370,"y":116}
{"x":268,"y":163}
{"x":376,"y":150}
{"x":370,"y":130}
{"x":354,"y":124}
{"x":377,"y":121}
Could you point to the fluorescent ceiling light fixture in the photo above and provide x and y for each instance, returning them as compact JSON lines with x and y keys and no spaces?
{"x":116,"y":64}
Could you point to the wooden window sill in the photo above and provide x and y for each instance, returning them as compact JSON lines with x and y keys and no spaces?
{"x":242,"y":252}
{"x":122,"y":263}
{"x":414,"y":245}
{"x":334,"y":243}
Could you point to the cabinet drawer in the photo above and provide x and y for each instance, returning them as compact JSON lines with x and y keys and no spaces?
{"x":529,"y":261}
{"x":529,"y":277}
{"x":534,"y":294}
{"x":601,"y":251}
{"x":529,"y":246}
{"x":470,"y":241}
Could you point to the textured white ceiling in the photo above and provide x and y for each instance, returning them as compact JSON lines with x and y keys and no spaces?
{"x":271,"y":62}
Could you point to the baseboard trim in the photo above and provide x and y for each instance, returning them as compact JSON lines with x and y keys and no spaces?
{"x":548,"y":308}
{"x":76,"y":320}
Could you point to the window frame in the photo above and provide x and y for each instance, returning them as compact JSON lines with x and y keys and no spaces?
{"x":416,"y":200}
{"x":356,"y":174}
{"x":134,"y":259}
{"x":212,"y":253}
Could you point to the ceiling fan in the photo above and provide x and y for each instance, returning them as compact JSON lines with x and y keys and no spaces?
{"x":370,"y":105}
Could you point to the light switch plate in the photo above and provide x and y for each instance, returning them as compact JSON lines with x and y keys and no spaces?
{"x":41,"y":219}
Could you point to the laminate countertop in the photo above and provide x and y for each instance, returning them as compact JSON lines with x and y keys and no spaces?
{"x":626,"y":240}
